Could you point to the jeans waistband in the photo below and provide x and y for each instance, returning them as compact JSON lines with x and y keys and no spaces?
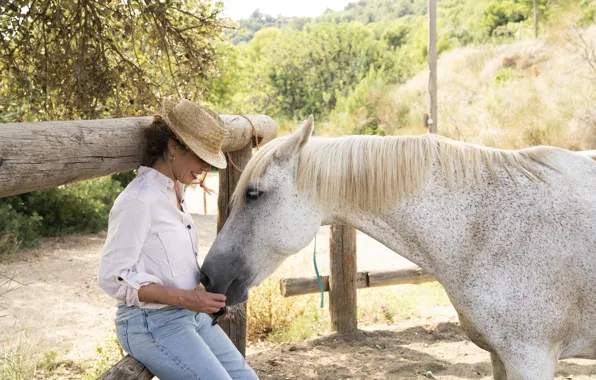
{"x":125,"y":312}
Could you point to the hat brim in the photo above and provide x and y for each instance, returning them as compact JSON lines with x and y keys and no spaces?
{"x":215,"y":159}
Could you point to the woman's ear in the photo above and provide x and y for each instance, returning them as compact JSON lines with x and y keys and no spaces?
{"x":172,"y":147}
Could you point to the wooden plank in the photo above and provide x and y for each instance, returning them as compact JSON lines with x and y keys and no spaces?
{"x":241,"y":133}
{"x":128,"y":368}
{"x":295,"y":286}
{"x":398,"y":277}
{"x":36,"y":156}
{"x":342,"y":280}
{"x":228,"y":179}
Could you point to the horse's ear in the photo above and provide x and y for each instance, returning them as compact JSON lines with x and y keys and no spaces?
{"x":294,"y":144}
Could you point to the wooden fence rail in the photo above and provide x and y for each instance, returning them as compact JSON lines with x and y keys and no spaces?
{"x":36,"y":156}
{"x":128,"y":368}
{"x":297,"y":286}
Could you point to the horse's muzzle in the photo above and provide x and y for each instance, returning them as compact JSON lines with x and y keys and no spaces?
{"x":236,"y":292}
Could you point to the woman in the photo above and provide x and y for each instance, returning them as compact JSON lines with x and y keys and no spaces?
{"x":149,"y":262}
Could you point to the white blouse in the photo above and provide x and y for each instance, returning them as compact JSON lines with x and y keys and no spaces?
{"x":149,"y":240}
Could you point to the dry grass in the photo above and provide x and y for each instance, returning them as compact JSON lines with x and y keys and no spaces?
{"x":278,"y":319}
{"x":21,"y":361}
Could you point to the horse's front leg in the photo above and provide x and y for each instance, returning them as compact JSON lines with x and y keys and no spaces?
{"x":516,"y":353}
{"x":499,"y":372}
{"x":528,"y":363}
{"x":519,"y":362}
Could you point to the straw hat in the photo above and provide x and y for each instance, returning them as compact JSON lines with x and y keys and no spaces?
{"x":197,"y":127}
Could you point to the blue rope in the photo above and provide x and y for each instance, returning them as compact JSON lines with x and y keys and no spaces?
{"x":319,"y":279}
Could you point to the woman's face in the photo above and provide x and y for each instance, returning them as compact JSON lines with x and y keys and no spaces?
{"x":187,"y":167}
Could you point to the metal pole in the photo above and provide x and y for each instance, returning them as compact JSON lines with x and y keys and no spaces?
{"x":432,"y":120}
{"x":535,"y":20}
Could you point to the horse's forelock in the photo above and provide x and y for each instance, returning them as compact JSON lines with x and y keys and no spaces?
{"x":256,"y":168}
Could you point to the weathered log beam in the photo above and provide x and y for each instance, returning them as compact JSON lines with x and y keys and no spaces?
{"x":127,"y":369}
{"x":36,"y":156}
{"x":296,"y":286}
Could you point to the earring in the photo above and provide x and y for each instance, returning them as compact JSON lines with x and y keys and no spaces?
{"x":172,"y":158}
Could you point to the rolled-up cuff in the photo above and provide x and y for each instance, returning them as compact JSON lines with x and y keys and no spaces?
{"x":133,"y":282}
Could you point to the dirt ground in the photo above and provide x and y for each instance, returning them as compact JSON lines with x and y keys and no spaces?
{"x":410,"y":350}
{"x":54,"y":304}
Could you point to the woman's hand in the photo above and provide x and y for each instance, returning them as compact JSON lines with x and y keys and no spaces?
{"x":197,"y":300}
{"x":201,"y":301}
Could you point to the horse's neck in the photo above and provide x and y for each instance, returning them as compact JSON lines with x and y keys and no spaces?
{"x":425,"y":230}
{"x":393,"y":233}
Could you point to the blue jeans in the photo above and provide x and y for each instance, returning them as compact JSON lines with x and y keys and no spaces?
{"x":175,"y":343}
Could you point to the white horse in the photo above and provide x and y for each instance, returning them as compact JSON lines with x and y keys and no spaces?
{"x":511,"y":235}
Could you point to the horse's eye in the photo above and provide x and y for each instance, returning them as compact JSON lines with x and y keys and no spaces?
{"x":253,"y":194}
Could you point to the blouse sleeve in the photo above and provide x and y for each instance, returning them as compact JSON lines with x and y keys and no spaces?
{"x":129,"y":225}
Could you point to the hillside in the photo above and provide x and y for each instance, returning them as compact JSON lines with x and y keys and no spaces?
{"x":513,"y":95}
{"x":364,"y":70}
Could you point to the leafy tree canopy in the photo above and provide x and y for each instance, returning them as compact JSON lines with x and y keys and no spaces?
{"x":69,"y":59}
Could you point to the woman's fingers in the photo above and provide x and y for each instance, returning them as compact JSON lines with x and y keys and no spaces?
{"x":217,"y":302}
{"x":211,"y":302}
{"x":217,"y":297}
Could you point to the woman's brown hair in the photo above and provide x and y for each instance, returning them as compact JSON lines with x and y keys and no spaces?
{"x":157,"y":136}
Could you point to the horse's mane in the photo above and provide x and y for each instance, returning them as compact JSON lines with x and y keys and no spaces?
{"x":369,"y":171}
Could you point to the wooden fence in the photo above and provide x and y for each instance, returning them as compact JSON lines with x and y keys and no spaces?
{"x":344,"y":279}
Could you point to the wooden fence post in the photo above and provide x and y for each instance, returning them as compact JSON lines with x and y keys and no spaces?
{"x":228,"y":178}
{"x":342,"y":279}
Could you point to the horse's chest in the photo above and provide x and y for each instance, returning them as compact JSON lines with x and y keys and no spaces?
{"x":474,"y":333}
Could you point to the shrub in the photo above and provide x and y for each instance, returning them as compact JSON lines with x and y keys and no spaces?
{"x":17,"y":229}
{"x":79,"y":207}
{"x":124,"y":178}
